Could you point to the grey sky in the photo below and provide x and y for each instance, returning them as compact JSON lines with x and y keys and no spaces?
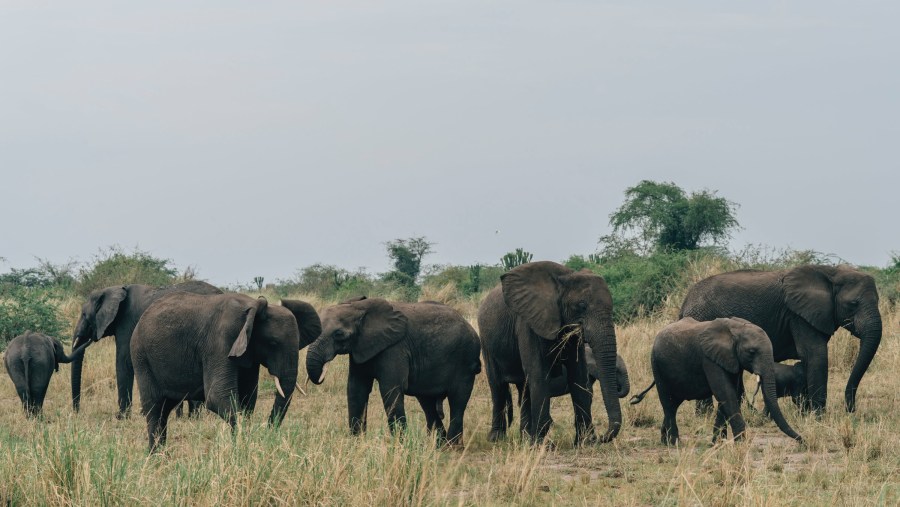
{"x":254,"y":138}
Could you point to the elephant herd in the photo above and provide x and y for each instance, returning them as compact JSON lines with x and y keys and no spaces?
{"x":545,"y":328}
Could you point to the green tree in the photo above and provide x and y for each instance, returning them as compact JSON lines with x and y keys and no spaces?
{"x":517,"y":258}
{"x":661,"y":216}
{"x":116,"y":267}
{"x":406,"y":256}
{"x":29,"y":309}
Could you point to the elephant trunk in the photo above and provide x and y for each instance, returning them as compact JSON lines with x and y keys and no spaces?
{"x":76,"y":354}
{"x":318,"y":355}
{"x":770,"y":398}
{"x":288,"y":382}
{"x":604,"y":348}
{"x":869,"y":332}
{"x":77,"y":367}
{"x":622,"y":378}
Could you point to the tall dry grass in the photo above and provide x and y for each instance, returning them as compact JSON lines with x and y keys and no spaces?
{"x":92,"y":458}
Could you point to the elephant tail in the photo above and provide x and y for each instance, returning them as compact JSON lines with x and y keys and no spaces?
{"x":639,"y":397}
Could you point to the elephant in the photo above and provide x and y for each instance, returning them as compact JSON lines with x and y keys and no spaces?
{"x":790,"y":380}
{"x":116,"y":311}
{"x":534,"y":326}
{"x":210,"y":347}
{"x":693,"y":360}
{"x":30,"y":360}
{"x":799,"y":309}
{"x":426,"y":350}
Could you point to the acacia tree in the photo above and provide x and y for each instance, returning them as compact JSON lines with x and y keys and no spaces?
{"x":662,"y":216}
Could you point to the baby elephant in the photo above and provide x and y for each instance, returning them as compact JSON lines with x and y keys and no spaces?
{"x":426,"y":350}
{"x":30,"y":360}
{"x":790,"y":380}
{"x":692,"y":360}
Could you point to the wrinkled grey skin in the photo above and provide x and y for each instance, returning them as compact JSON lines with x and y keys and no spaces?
{"x":30,"y":360}
{"x":426,"y":350}
{"x":693,"y":360}
{"x":522,"y":323}
{"x":210,"y":347}
{"x":800,"y":309}
{"x":115,"y":311}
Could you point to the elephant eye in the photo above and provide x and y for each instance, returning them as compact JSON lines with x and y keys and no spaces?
{"x":582,"y":305}
{"x":338,"y":333}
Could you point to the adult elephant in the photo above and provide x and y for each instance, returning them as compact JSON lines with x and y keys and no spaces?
{"x":800,"y":309}
{"x":427,"y":350}
{"x":115,"y":311}
{"x":210,"y":347}
{"x":534,"y":323}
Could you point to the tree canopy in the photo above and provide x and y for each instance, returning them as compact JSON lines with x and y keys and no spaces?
{"x":663,"y":216}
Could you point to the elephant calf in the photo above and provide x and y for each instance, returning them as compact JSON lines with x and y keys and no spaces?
{"x":426,"y":350}
{"x":30,"y":360}
{"x":693,"y":360}
{"x":790,"y":380}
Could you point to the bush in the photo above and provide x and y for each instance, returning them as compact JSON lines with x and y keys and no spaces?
{"x":328,"y":282}
{"x":28,"y":309}
{"x":115,"y":267}
{"x":45,"y":275}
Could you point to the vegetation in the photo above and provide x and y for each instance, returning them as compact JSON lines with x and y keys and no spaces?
{"x":24,"y":308}
{"x":517,"y":258}
{"x":92,"y":458}
{"x":117,"y":267}
{"x":661,"y":216}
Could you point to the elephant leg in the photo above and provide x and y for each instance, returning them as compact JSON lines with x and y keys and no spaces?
{"x":579,"y":390}
{"x":500,"y":397}
{"x":124,"y":377}
{"x":432,"y":417}
{"x":459,"y":400}
{"x":670,"y":404}
{"x":817,"y":379}
{"x":531,"y":348}
{"x":157,"y":414}
{"x":525,"y":426}
{"x":248,"y":388}
{"x":724,"y":388}
{"x":720,"y":430}
{"x":38,"y":392}
{"x":358,"y":389}
{"x":392,"y":397}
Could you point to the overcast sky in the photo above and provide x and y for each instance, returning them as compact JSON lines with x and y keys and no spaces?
{"x":255,"y":138}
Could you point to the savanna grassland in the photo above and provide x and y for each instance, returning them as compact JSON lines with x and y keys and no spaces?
{"x":91,"y":458}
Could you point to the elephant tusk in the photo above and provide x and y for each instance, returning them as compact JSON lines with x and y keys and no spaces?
{"x":322,"y":376}
{"x":301,"y":389}
{"x":278,"y":386}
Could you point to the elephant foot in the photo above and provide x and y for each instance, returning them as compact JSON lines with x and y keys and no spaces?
{"x":123,"y":415}
{"x":496,"y":435}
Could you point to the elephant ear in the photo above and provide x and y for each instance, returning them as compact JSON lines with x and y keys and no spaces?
{"x":241,"y":345}
{"x":531,"y":291}
{"x":59,"y":353}
{"x":106,"y":308}
{"x":808,"y":292}
{"x":382,"y":325}
{"x":307,"y":320}
{"x":717,"y":343}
